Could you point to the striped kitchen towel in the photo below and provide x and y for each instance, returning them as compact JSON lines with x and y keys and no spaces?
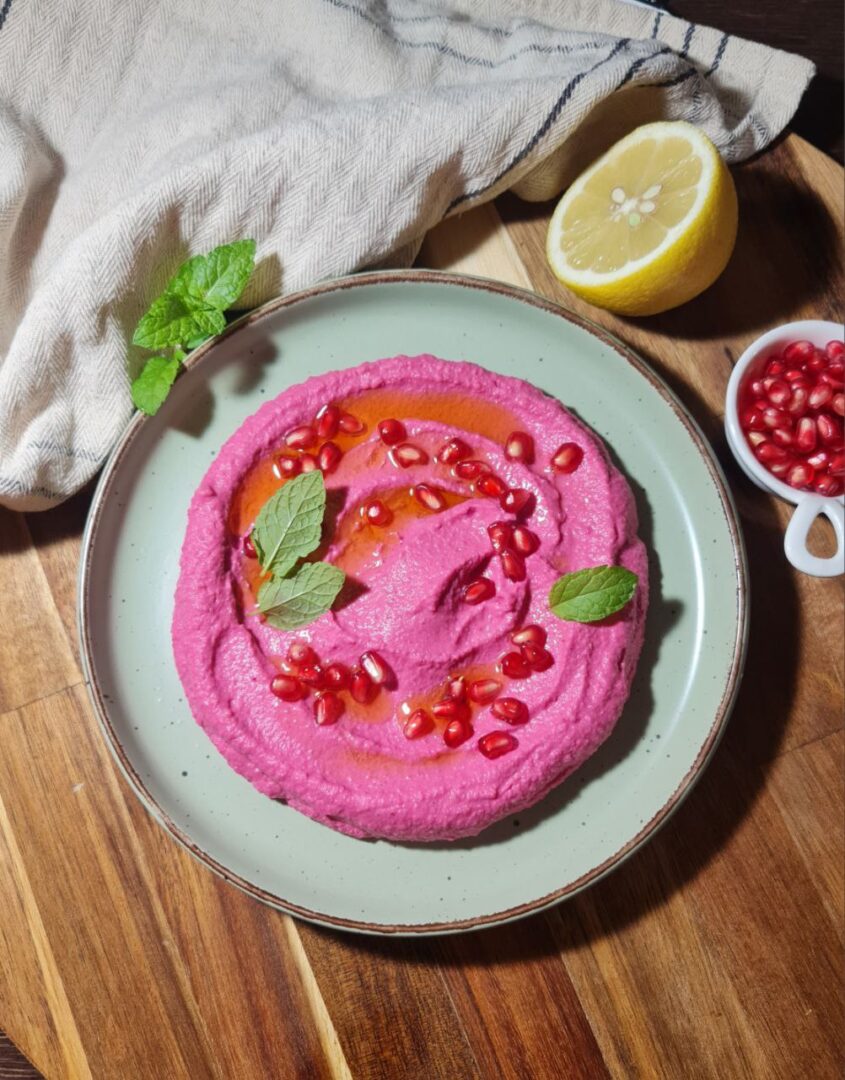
{"x":336,"y":132}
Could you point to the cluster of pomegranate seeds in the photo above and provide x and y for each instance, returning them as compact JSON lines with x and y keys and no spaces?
{"x":302,"y":672}
{"x":318,"y":435}
{"x":791,"y":414}
{"x":532,"y":655}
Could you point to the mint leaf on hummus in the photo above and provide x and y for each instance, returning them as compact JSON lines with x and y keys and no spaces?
{"x":291,"y":602}
{"x":152,"y":386}
{"x":289,"y":524}
{"x":218,"y":278}
{"x":589,"y":595}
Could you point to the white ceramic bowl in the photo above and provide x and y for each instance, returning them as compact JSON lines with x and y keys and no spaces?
{"x":808,"y":504}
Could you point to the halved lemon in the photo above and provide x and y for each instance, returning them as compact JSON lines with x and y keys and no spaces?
{"x":649,"y":225}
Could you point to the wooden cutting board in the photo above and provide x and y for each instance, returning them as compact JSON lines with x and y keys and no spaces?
{"x":715,"y":952}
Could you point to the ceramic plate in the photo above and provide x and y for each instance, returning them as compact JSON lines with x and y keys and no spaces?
{"x":687,"y":678}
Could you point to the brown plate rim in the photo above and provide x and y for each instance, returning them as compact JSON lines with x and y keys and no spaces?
{"x":593,"y":875}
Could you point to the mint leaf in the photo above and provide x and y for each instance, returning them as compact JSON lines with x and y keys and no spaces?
{"x":153,"y":384}
{"x":289,"y":524}
{"x":592,"y":594}
{"x":195,"y":343}
{"x":294,"y":601}
{"x":218,"y":278}
{"x":172,"y":320}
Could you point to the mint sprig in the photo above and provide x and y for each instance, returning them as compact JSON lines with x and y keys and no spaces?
{"x":289,"y":524}
{"x":188,"y":312}
{"x":288,"y":528}
{"x":592,"y":594}
{"x":291,"y":602}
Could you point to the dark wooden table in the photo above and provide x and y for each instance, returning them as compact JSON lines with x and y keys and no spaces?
{"x":716,"y":952}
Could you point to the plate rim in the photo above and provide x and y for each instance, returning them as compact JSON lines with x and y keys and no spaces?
{"x":734,"y":675}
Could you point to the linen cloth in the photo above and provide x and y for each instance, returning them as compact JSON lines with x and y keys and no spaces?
{"x":134,"y":133}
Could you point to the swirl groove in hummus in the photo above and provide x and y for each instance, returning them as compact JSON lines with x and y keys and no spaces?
{"x":404,"y":599}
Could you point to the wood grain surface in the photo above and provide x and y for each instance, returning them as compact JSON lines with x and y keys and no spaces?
{"x":715,"y":952}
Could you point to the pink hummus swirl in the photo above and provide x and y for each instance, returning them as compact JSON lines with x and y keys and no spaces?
{"x":404,"y":599}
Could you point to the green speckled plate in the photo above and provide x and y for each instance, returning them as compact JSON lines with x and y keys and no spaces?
{"x":687,"y":677}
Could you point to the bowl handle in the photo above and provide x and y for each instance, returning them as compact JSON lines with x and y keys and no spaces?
{"x":795,"y":541}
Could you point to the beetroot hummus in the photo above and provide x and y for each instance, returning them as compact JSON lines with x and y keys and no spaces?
{"x":439,"y":693}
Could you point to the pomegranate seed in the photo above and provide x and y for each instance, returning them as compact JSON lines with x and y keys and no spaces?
{"x":501,"y":535}
{"x":312,"y":675}
{"x":375,"y":667}
{"x":479,"y":590}
{"x":301,"y":438}
{"x":773,"y":417}
{"x":833,"y":379}
{"x":838,"y":404}
{"x":391,"y":431}
{"x":457,"y":688}
{"x":798,"y":403}
{"x":837,"y":464}
{"x":429,"y":497}
{"x":805,"y":435}
{"x":329,"y":457}
{"x":300,"y":653}
{"x":757,"y":388}
{"x":286,"y":468}
{"x":818,"y":460}
{"x":328,"y":421}
{"x":817,"y":362}
{"x":419,"y":723}
{"x":820,"y":395}
{"x":779,"y":392}
{"x":338,"y":677}
{"x":452,"y":452}
{"x":376,"y":513}
{"x":510,"y":709}
{"x":457,"y":732}
{"x":757,"y":438}
{"x":350,"y":424}
{"x":768,"y":384}
{"x":363,"y":689}
{"x":798,"y":352}
{"x":783,"y":437}
{"x":515,"y":666}
{"x":835,"y":350}
{"x":567,"y":458}
{"x":309,"y":463}
{"x":525,"y":541}
{"x":794,"y":375}
{"x":470,"y":470}
{"x":752,"y":420}
{"x":482,"y":691}
{"x":328,"y":708}
{"x":449,"y":709}
{"x":490,"y":485}
{"x":800,"y":475}
{"x":781,"y":468}
{"x":768,"y":453}
{"x":538,"y":658}
{"x":406,"y":454}
{"x":249,"y":547}
{"x":515,"y":500}
{"x":496,"y":743}
{"x":829,"y":430}
{"x":774,"y":366}
{"x":529,"y":635}
{"x":829,"y":486}
{"x":288,"y":688}
{"x":519,"y":446}
{"x":513,"y":565}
